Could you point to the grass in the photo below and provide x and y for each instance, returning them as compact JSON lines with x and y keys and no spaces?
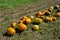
{"x":47,"y":31}
{"x":13,"y":3}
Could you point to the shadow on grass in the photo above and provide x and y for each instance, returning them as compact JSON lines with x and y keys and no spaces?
{"x":17,"y":30}
{"x":7,"y":35}
{"x":35,"y":23}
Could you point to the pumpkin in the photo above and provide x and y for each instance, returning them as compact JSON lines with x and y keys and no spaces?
{"x":45,"y":12}
{"x":57,"y":14}
{"x":22,"y":27}
{"x":28,"y":20}
{"x":31,"y":17}
{"x":51,"y":8}
{"x":11,"y":31}
{"x":21,"y":21}
{"x":39,"y":14}
{"x":35,"y":27}
{"x":37,"y":20}
{"x":14,"y":24}
{"x":57,"y":6}
{"x":24,"y":17}
{"x":49,"y":19}
{"x":53,"y":18}
{"x":42,"y":17}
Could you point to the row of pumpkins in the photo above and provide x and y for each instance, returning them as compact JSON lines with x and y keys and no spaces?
{"x":38,"y":20}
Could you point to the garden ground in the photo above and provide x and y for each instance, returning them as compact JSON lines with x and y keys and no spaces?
{"x":13,"y":12}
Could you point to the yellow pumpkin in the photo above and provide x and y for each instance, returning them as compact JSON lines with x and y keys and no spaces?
{"x":52,"y":7}
{"x":57,"y":6}
{"x":14,"y":24}
{"x":57,"y":14}
{"x":35,"y":27}
{"x":28,"y":20}
{"x":22,"y":27}
{"x":38,"y":20}
{"x":11,"y":31}
{"x":31,"y":17}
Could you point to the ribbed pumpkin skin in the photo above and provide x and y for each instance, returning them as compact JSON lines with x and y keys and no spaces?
{"x":11,"y":31}
{"x":28,"y":20}
{"x":22,"y":27}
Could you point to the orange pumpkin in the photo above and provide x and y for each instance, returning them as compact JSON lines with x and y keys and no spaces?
{"x":22,"y":27}
{"x":14,"y":24}
{"x":42,"y":17}
{"x":45,"y":12}
{"x":54,"y":18}
{"x":24,"y":17}
{"x":39,"y":14}
{"x":28,"y":20}
{"x":57,"y":14}
{"x":21,"y":21}
{"x":49,"y":19}
{"x":11,"y":31}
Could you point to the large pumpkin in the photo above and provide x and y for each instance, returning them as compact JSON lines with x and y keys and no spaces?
{"x":22,"y":27}
{"x":11,"y":31}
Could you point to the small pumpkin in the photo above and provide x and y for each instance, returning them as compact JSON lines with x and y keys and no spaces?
{"x":42,"y":17}
{"x":57,"y":14}
{"x":22,"y":27}
{"x":24,"y":17}
{"x":35,"y":27}
{"x":14,"y":24}
{"x":21,"y":21}
{"x":49,"y":19}
{"x":57,"y":6}
{"x":31,"y":17}
{"x":11,"y":31}
{"x":54,"y":18}
{"x":38,"y":20}
{"x":51,"y":8}
{"x":45,"y":12}
{"x":39,"y":14}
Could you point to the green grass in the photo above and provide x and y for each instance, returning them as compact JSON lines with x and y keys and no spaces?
{"x":13,"y":3}
{"x":47,"y":31}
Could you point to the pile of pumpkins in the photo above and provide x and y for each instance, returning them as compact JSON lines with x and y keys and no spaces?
{"x":38,"y":19}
